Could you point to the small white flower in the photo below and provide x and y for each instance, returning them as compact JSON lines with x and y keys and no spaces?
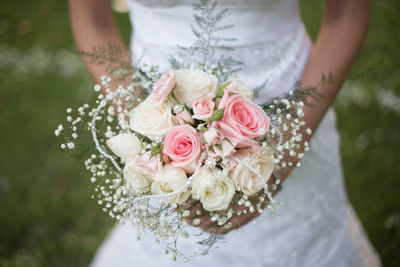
{"x":70,"y":145}
{"x":97,"y":88}
{"x":178,"y":108}
{"x":111,"y":111}
{"x":264,"y":144}
{"x":211,"y":162}
{"x":186,"y":213}
{"x":300,"y":113}
{"x":63,"y":146}
{"x":196,"y":221}
{"x":262,"y":131}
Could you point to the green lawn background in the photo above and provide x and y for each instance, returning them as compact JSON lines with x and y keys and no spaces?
{"x":47,"y":217}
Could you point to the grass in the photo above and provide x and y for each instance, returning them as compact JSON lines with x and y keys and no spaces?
{"x":47,"y":215}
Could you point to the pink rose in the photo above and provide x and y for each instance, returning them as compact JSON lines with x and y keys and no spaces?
{"x":212,"y":136}
{"x":148,"y":165}
{"x":242,"y":121}
{"x":203,"y":108}
{"x":163,"y":87}
{"x":184,"y":117}
{"x":217,"y":144}
{"x":183,"y":147}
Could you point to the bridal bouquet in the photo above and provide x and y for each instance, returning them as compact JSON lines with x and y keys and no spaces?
{"x":191,"y":135}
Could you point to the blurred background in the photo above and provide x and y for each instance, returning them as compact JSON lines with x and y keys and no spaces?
{"x":47,"y":217}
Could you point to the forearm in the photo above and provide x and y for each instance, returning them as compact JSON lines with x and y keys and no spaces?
{"x":341,"y":34}
{"x":93,"y":25}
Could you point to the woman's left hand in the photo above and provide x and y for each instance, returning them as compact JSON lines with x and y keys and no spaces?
{"x":212,"y":226}
{"x":235,"y":222}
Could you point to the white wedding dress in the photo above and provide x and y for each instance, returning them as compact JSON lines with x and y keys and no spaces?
{"x":316,"y":225}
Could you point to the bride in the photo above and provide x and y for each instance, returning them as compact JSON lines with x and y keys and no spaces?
{"x":316,"y":225}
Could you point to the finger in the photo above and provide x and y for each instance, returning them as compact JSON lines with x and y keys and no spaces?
{"x":206,"y":223}
{"x":212,"y":228}
{"x":224,"y":230}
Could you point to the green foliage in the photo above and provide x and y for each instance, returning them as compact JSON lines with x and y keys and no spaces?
{"x":221,"y":89}
{"x":205,"y":52}
{"x":111,"y":55}
{"x":216,"y":115}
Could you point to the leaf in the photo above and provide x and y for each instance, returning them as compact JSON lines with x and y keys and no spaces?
{"x":219,"y":146}
{"x":217,"y":115}
{"x":221,"y":89}
{"x":156,"y":150}
{"x":174,"y":97}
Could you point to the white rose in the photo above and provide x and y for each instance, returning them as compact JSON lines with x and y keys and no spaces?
{"x":193,"y":84}
{"x":214,"y":189}
{"x":125,"y":146}
{"x":244,"y":179}
{"x":244,"y":90}
{"x":136,"y":180}
{"x":151,"y":119}
{"x":168,"y":180}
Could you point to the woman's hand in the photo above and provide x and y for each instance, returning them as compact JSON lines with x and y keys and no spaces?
{"x":212,"y":226}
{"x":235,"y":222}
